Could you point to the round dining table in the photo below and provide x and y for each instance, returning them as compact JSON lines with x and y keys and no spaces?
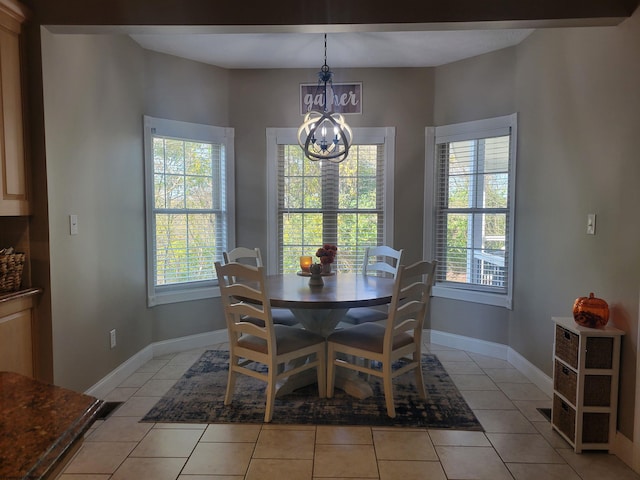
{"x":321,"y":308}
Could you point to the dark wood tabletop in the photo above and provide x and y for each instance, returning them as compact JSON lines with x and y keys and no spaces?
{"x":341,"y":290}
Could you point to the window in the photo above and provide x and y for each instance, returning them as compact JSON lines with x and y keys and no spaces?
{"x":473,"y":209}
{"x":349,"y":204}
{"x":189,"y":207}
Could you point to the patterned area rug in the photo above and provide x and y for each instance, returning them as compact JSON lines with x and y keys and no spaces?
{"x":198,"y":398}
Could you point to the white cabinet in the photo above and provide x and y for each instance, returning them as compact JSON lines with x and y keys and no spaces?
{"x":13,"y":168}
{"x":585,"y":384}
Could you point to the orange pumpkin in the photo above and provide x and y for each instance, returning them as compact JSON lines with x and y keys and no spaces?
{"x":591,"y":312}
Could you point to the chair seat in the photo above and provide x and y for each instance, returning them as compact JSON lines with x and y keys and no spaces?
{"x":356,"y":316}
{"x":283,"y":316}
{"x":288,"y":339}
{"x":280,"y":316}
{"x":368,"y":336}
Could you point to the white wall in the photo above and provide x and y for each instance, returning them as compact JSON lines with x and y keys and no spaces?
{"x":93,"y":95}
{"x":578,"y":97}
{"x":96,"y":90}
{"x":576,"y":93}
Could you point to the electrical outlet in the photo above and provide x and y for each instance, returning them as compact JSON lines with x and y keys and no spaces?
{"x":112,"y":338}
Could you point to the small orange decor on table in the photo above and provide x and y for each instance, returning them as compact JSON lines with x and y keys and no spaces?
{"x":591,"y":312}
{"x":305,"y":263}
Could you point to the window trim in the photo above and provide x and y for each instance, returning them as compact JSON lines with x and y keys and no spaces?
{"x":461,"y":131}
{"x":165,"y":294}
{"x":288,"y":136}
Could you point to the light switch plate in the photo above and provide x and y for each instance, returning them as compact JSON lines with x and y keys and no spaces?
{"x":73,"y":224}
{"x":591,"y":224}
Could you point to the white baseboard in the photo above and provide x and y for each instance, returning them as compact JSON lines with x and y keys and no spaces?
{"x":496,"y":350}
{"x":533,"y":373}
{"x":492,"y":349}
{"x":121,"y":373}
{"x":175,"y":345}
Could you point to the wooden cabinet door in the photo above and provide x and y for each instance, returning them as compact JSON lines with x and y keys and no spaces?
{"x":16,"y":353}
{"x":13,"y":174}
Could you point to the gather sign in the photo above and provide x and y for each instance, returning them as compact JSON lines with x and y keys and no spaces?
{"x":345,"y":98}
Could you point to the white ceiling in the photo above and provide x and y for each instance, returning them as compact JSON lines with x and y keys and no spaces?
{"x":344,"y":49}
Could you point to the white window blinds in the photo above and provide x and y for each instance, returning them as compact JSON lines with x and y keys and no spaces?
{"x":188,"y":209}
{"x":474,"y":206}
{"x":189,"y":196}
{"x":344,"y":204}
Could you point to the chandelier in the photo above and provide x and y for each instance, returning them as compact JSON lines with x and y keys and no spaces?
{"x":325,"y":135}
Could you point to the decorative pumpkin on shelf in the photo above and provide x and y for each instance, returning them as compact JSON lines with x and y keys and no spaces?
{"x":590,"y":311}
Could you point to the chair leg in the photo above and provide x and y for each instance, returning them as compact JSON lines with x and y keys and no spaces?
{"x":231,"y":380}
{"x":271,"y":393}
{"x":419,"y":378}
{"x":322,"y":372}
{"x":387,"y":383}
{"x":367,"y":363}
{"x":331,"y":371}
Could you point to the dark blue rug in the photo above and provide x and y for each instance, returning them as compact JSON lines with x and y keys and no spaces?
{"x":198,"y":398}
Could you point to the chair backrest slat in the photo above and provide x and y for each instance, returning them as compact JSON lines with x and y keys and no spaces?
{"x":381,"y":260}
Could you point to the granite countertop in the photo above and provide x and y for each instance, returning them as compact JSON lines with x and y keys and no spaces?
{"x":38,"y":425}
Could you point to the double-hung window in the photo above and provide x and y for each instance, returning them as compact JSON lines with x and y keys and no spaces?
{"x":189,"y":207}
{"x":349,"y":204}
{"x":473,"y":209}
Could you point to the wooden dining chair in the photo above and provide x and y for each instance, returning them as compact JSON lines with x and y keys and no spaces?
{"x":380,"y":261}
{"x":382,"y":345}
{"x":274,"y":347}
{"x":252,"y":256}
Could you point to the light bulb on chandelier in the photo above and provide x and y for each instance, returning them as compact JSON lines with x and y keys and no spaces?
{"x":312,"y":134}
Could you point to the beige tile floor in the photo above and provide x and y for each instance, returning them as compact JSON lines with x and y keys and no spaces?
{"x":518,"y":442}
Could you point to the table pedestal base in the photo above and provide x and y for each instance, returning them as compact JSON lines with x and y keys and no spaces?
{"x":321,"y":321}
{"x":324,"y":322}
{"x":346,"y":380}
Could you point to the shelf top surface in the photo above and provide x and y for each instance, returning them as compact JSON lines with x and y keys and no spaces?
{"x":569,"y":323}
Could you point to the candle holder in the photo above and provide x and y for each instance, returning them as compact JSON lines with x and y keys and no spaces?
{"x":305,"y":263}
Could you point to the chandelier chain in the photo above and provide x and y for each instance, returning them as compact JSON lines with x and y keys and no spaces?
{"x":325,"y":48}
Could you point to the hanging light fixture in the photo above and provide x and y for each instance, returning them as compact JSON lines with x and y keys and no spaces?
{"x":326,"y":135}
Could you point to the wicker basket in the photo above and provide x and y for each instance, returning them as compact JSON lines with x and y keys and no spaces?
{"x":565,"y":381}
{"x":567,"y":346}
{"x":11,"y":266}
{"x":599,"y":352}
{"x":564,"y":417}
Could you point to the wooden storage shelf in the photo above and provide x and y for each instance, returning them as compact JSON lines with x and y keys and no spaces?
{"x":585,"y":384}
